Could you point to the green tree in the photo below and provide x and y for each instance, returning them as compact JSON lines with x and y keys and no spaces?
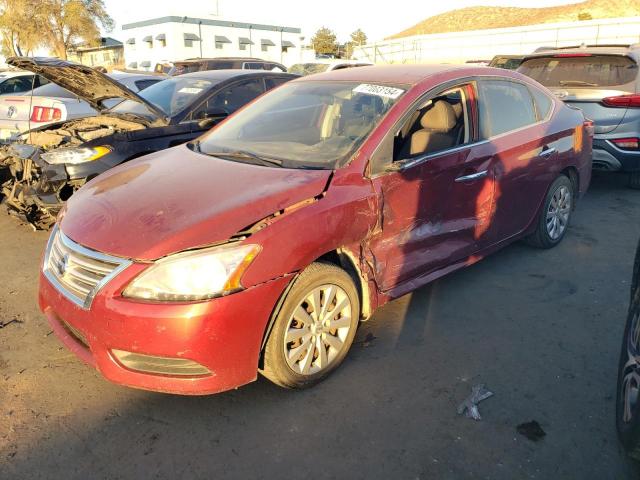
{"x":358,"y":38}
{"x":19,"y":32}
{"x":324,"y":41}
{"x":64,"y":23}
{"x":585,"y":16}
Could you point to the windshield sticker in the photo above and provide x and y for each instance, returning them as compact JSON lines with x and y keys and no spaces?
{"x":190,"y":90}
{"x":379,"y":90}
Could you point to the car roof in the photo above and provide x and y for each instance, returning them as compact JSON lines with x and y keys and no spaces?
{"x":225,"y":59}
{"x":225,"y":74}
{"x":629,"y":50}
{"x":403,"y":74}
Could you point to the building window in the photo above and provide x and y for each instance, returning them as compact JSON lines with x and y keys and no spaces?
{"x":220,"y":41}
{"x":243,"y":42}
{"x":162,"y":39}
{"x":189,"y":38}
{"x":265,"y":43}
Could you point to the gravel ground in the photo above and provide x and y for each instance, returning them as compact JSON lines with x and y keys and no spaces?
{"x":540,"y":328}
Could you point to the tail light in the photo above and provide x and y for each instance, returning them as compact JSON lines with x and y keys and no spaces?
{"x":622,"y":101}
{"x":631,"y":143}
{"x":45,"y":114}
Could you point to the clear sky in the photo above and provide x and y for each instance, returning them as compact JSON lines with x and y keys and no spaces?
{"x":378,"y":19}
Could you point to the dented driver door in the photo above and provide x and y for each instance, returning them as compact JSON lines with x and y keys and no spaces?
{"x":434,"y":213}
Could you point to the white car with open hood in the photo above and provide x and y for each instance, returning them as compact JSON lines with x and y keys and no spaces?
{"x":51,"y":103}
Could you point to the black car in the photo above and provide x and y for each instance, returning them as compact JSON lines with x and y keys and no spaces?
{"x":628,"y":401}
{"x":54,"y":161}
{"x":224,"y":63}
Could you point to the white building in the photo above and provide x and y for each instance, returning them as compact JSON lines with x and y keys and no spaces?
{"x":173,"y":38}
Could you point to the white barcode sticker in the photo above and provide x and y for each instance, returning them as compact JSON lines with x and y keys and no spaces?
{"x":379,"y":90}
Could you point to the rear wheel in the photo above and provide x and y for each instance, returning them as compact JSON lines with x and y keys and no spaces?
{"x":314,"y":329}
{"x":553,"y":219}
{"x":628,"y":398}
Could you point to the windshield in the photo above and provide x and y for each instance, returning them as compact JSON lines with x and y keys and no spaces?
{"x":50,"y":90}
{"x":171,"y":96}
{"x":580,"y":70}
{"x":308,"y":68}
{"x":305,"y":124}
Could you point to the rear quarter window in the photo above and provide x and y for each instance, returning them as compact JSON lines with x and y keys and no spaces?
{"x":542,"y":102}
{"x":581,"y":71}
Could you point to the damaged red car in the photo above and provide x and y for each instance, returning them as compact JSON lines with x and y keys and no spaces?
{"x":260,"y":246}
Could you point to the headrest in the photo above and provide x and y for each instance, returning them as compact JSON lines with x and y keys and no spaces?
{"x":439,"y":118}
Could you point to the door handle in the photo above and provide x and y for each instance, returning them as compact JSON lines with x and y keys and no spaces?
{"x":471,"y":177}
{"x":547,"y":152}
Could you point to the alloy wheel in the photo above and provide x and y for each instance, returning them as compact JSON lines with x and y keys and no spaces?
{"x":558,"y":212}
{"x":317,"y":330}
{"x":630,"y":385}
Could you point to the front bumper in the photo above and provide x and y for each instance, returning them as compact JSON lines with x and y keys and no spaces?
{"x":224,"y":334}
{"x":608,"y":157}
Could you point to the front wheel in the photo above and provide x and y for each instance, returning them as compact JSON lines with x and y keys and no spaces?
{"x":553,"y":219}
{"x":628,"y":398}
{"x":314,"y":328}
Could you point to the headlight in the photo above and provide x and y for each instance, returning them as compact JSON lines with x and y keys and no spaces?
{"x":74,"y":155}
{"x":192,"y":276}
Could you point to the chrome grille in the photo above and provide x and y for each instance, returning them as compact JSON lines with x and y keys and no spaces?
{"x":78,"y":272}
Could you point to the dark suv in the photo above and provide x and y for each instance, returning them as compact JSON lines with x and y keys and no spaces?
{"x":224,"y":63}
{"x":603,"y":82}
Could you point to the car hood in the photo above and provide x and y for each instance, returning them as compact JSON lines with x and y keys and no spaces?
{"x":177,"y":199}
{"x":85,"y":82}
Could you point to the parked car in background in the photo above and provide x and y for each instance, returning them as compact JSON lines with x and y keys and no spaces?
{"x":604,"y":82}
{"x":52,"y":103}
{"x":261,"y":245}
{"x":479,"y":63}
{"x":509,"y":62}
{"x":224,"y":63}
{"x":62,"y":156}
{"x":12,"y":82}
{"x":628,"y":388}
{"x":310,"y":68}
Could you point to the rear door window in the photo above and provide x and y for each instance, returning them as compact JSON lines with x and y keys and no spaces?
{"x":231,"y":98}
{"x":504,"y":106}
{"x":274,"y":82}
{"x":142,"y":84}
{"x":581,"y":70}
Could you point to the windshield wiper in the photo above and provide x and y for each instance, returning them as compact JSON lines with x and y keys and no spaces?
{"x":577,"y":82}
{"x":245,"y":155}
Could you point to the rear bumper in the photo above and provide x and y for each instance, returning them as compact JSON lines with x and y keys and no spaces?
{"x":224,"y":335}
{"x":608,"y":157}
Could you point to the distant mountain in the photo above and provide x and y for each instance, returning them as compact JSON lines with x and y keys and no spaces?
{"x":481,"y":18}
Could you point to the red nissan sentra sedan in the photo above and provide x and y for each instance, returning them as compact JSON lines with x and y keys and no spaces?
{"x":261,"y":246}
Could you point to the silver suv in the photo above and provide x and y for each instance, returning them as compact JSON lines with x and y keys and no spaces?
{"x":603,"y":81}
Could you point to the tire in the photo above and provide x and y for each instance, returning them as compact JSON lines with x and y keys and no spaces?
{"x":544,"y":235}
{"x":628,"y":386}
{"x":634,"y":180}
{"x":292,"y":364}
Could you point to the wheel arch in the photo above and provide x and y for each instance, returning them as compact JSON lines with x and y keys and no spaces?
{"x":574,"y":177}
{"x":343,"y":258}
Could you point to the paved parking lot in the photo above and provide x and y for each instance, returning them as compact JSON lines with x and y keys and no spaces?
{"x":540,"y":328}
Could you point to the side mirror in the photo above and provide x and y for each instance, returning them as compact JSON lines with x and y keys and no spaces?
{"x":212,"y":118}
